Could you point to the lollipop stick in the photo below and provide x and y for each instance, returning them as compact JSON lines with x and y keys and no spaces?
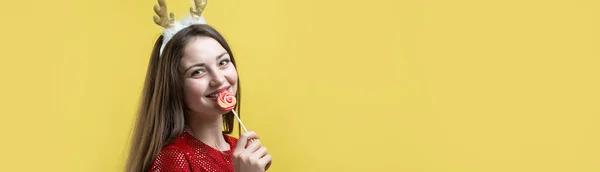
{"x":239,"y":120}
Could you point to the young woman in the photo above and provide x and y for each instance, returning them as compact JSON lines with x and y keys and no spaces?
{"x":180,"y":124}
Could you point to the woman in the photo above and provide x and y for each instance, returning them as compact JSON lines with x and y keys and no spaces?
{"x":180,"y":125}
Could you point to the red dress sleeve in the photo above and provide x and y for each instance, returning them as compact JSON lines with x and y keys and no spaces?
{"x":170,"y":159}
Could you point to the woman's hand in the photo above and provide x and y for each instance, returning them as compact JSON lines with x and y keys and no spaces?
{"x":249,"y":155}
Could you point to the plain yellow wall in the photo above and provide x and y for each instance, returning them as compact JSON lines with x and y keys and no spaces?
{"x":337,"y":85}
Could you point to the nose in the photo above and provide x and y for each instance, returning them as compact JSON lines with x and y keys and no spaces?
{"x":217,"y":79}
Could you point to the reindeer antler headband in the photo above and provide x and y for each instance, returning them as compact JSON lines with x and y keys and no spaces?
{"x":170,"y":25}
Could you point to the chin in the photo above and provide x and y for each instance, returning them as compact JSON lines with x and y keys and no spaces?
{"x":208,"y":108}
{"x":214,"y":111}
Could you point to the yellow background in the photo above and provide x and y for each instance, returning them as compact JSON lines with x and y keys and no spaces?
{"x":337,"y":85}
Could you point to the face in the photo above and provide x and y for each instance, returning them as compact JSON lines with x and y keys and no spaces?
{"x":207,"y":69}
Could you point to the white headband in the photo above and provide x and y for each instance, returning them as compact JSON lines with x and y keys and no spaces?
{"x":171,"y":27}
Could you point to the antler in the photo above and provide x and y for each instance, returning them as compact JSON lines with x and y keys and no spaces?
{"x":162,"y":19}
{"x":200,"y":5}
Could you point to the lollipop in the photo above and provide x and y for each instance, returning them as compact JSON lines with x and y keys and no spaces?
{"x":227,"y":101}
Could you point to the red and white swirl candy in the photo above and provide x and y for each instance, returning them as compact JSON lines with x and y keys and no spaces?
{"x":226,"y":100}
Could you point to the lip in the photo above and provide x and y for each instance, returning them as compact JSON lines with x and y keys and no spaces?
{"x":219,"y":90}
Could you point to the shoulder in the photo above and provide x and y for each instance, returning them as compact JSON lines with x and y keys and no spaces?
{"x":171,"y":152}
{"x":172,"y":157}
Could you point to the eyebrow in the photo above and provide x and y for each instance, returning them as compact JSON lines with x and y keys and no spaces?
{"x":202,"y":64}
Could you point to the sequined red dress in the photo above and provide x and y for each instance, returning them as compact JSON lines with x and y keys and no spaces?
{"x":188,"y":154}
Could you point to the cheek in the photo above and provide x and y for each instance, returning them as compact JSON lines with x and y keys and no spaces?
{"x":231,"y":76}
{"x":193,"y":90}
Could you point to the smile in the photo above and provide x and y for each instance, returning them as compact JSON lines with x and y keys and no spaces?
{"x":215,"y":94}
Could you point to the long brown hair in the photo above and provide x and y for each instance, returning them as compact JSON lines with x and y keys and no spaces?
{"x":162,"y":113}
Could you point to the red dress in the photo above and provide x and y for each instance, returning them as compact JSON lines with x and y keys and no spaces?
{"x":188,"y":154}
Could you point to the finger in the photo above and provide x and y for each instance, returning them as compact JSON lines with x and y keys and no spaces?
{"x":251,"y":141}
{"x":243,"y":140}
{"x":261,"y":152}
{"x":266,"y":161}
{"x":252,"y":147}
{"x":268,"y":165}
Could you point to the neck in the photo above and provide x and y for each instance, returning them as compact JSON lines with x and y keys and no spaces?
{"x":207,"y":130}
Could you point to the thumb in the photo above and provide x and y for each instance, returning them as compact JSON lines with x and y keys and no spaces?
{"x":243,"y":141}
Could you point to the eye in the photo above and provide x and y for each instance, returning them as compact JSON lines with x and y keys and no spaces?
{"x":224,"y":63}
{"x":197,"y":73}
